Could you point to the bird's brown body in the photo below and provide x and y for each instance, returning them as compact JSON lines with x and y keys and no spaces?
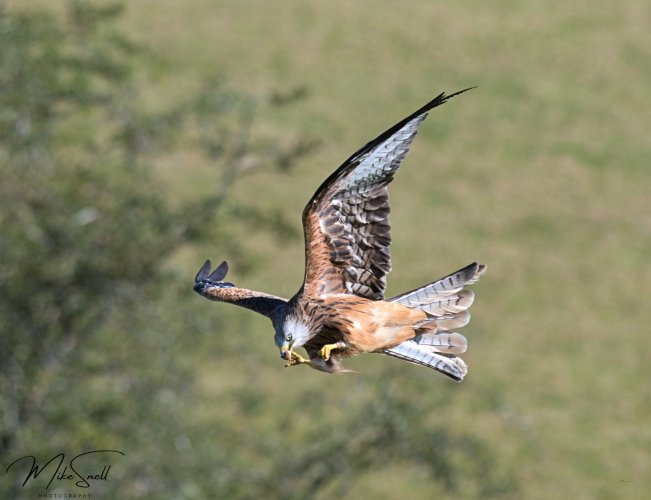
{"x":364,"y":325}
{"x":340,"y":310}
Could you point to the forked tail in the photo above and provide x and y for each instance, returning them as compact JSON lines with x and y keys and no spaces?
{"x":446,"y":304}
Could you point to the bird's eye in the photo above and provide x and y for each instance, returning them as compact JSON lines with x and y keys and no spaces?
{"x":289,"y":337}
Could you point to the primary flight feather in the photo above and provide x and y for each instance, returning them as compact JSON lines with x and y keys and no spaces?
{"x":340,"y":310}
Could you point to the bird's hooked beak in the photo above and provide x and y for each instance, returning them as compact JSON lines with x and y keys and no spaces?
{"x":286,"y":351}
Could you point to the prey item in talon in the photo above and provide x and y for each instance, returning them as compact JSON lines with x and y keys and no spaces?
{"x":340,"y":309}
{"x":286,"y":354}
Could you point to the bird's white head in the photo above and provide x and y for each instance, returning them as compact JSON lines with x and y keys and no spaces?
{"x":290,"y":334}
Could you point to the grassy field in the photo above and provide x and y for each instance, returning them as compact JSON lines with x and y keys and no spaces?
{"x":542,"y":173}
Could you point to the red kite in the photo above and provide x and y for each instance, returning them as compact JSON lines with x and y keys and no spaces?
{"x":340,"y":310}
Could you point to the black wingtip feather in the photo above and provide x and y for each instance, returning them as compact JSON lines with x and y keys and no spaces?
{"x":220,"y":272}
{"x":217,"y":275}
{"x":442,"y":98}
{"x":203,"y":272}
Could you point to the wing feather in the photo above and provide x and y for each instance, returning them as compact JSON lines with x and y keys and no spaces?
{"x":346,"y":223}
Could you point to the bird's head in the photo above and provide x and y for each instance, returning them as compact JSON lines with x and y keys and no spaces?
{"x":290,"y":334}
{"x":204,"y":281}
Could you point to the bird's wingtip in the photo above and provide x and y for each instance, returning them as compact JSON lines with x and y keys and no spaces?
{"x":203,"y":272}
{"x":220,"y":272}
{"x":446,"y":97}
{"x":217,"y":275}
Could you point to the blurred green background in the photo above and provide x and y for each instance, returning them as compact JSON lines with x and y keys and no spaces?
{"x":137,"y":141}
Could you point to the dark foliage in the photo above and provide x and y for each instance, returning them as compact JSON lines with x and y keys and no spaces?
{"x":88,"y":351}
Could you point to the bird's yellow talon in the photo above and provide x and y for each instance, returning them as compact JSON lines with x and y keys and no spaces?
{"x":297,"y":359}
{"x":324,"y":352}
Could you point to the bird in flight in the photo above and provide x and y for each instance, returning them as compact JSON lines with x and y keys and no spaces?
{"x":340,"y":310}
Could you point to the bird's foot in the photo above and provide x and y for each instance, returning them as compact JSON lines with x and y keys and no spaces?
{"x":297,"y":359}
{"x":324,"y":352}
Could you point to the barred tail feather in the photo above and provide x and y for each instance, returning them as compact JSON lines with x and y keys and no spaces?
{"x":453,"y":321}
{"x":446,"y":342}
{"x":446,"y":304}
{"x":445,"y":301}
{"x":425,"y":355}
{"x":440,"y":323}
{"x":448,"y":288}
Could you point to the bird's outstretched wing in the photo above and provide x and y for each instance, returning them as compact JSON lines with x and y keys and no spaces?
{"x":346,"y":223}
{"x":211,"y":285}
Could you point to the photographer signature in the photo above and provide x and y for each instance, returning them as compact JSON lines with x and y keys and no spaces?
{"x":70,"y":472}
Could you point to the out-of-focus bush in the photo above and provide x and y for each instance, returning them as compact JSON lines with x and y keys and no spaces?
{"x":89,"y":353}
